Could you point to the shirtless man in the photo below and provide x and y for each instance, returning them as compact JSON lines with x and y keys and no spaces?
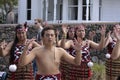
{"x":48,"y":57}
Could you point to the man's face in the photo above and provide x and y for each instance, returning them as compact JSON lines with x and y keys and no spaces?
{"x":37,"y":24}
{"x":49,"y":37}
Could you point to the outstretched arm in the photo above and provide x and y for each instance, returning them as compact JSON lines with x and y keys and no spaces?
{"x":107,"y":40}
{"x":5,"y":49}
{"x":64,"y":42}
{"x":57,"y":37}
{"x":99,"y":45}
{"x":27,"y":58}
{"x":77,"y":59}
{"x":102,"y":41}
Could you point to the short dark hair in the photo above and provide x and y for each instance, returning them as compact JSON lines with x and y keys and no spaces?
{"x":47,"y":28}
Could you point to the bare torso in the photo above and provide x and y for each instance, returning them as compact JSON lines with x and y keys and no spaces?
{"x":48,"y":61}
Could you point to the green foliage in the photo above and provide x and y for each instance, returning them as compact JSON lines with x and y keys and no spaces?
{"x":98,"y":72}
{"x":4,"y":4}
{"x":9,"y":2}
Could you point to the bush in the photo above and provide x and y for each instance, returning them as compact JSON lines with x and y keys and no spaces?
{"x":98,"y":72}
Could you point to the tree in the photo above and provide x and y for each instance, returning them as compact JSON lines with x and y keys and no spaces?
{"x":7,"y":5}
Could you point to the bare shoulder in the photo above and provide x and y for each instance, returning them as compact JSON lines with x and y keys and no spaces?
{"x":69,"y":41}
{"x":90,"y":41}
{"x":60,"y":50}
{"x":37,"y":49}
{"x":35,"y":44}
{"x":87,"y":41}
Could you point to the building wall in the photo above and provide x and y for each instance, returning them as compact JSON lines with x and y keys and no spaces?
{"x":95,"y":11}
{"x":21,"y":11}
{"x":35,"y":9}
{"x":110,"y":10}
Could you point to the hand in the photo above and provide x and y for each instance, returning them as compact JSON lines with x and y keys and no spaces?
{"x":3,"y":44}
{"x":77,"y":45}
{"x":57,"y":32}
{"x":103,"y":30}
{"x":64,"y":29}
{"x":28,"y":42}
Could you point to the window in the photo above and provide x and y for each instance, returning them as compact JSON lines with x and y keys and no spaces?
{"x":72,"y":9}
{"x":84,"y":10}
{"x":28,"y":9}
{"x":59,"y":9}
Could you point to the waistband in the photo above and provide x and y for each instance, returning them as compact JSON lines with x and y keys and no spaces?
{"x":50,"y":77}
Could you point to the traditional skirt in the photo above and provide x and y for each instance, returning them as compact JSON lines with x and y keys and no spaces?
{"x":73,"y":72}
{"x":48,"y":77}
{"x":22,"y":73}
{"x":113,"y":67}
{"x":64,"y":69}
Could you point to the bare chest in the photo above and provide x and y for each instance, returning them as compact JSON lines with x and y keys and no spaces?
{"x":49,"y":57}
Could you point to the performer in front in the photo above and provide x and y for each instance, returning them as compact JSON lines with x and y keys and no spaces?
{"x":48,"y":56}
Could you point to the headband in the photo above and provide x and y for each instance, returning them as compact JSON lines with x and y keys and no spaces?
{"x":22,"y":29}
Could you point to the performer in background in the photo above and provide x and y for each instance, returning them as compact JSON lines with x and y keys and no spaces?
{"x":112,"y":42}
{"x":14,"y":49}
{"x":82,"y":71}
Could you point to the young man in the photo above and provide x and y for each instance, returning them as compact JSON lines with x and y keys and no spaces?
{"x":38,"y":27}
{"x":48,"y":57}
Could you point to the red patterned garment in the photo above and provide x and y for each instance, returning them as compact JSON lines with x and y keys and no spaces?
{"x":112,"y":66}
{"x":73,"y":72}
{"x":22,"y":73}
{"x":48,"y":77}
